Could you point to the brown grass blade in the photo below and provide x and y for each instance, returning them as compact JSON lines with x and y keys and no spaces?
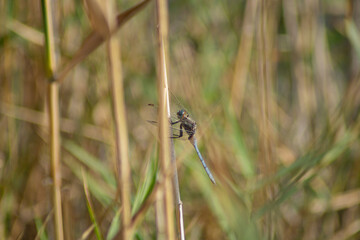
{"x":95,"y":13}
{"x":95,"y":39}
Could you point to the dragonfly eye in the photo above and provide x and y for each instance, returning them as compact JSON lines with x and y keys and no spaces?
{"x":180,"y":113}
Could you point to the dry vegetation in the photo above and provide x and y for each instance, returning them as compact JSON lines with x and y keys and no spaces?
{"x":274,"y":87}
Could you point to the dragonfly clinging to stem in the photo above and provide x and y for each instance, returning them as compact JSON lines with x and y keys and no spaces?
{"x":189,"y":126}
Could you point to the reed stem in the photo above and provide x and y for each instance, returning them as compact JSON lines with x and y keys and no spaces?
{"x":121,"y":133}
{"x":54,"y":122}
{"x":165,"y":217}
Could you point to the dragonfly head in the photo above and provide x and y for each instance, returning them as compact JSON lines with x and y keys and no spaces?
{"x":181,"y":114}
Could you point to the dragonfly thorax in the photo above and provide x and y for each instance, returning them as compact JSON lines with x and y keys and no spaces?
{"x":187,"y":123}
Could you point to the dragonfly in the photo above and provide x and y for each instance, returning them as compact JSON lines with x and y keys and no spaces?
{"x":188,"y":125}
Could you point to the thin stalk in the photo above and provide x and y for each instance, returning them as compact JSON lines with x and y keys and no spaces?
{"x":265,"y":90}
{"x":165,"y":212}
{"x":243,"y":57}
{"x":53,"y":98}
{"x":53,"y":94}
{"x":121,"y":134}
{"x":179,"y":212}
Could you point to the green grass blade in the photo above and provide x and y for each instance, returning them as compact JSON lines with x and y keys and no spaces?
{"x":241,"y":152}
{"x":90,"y":161}
{"x":90,"y":208}
{"x":101,"y":191}
{"x":40,"y":227}
{"x":114,"y":227}
{"x":148,"y":183}
{"x":353,"y":35}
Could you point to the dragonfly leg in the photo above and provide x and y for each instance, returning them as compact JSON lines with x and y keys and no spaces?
{"x":172,"y":123}
{"x":181,"y":132}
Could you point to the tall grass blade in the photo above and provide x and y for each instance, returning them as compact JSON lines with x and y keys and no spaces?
{"x":100,"y":190}
{"x":148,"y":183}
{"x":90,"y":161}
{"x":114,"y":226}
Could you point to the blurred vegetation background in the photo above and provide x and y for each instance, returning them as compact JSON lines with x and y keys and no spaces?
{"x":273,"y":85}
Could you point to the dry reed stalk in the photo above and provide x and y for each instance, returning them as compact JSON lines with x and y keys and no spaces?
{"x":121,"y":135}
{"x":53,"y":98}
{"x":164,"y":206}
{"x":53,"y":93}
{"x":265,"y":94}
{"x":243,"y":57}
{"x":303,"y":69}
{"x":118,"y":105}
